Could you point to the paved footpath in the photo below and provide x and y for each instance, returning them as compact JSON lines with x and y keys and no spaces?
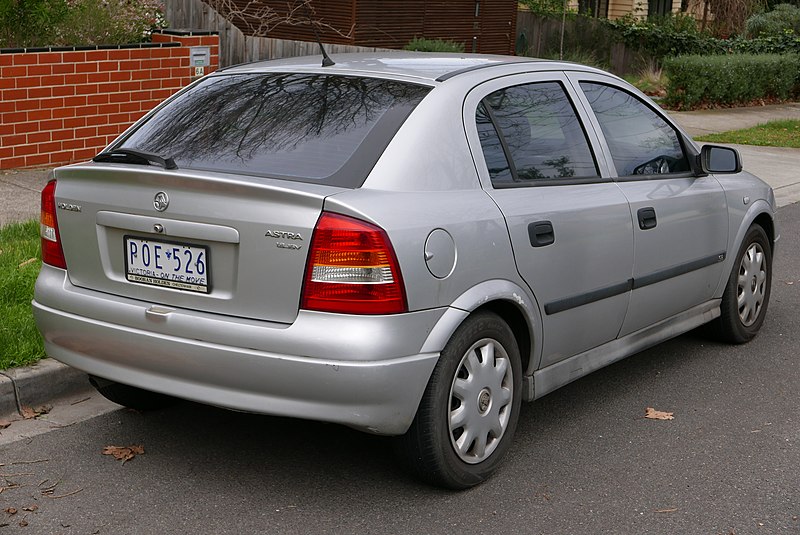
{"x":19,"y":201}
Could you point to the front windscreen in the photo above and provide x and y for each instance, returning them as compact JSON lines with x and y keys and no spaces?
{"x":308,"y":127}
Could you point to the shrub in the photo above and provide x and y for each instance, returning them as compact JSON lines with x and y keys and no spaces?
{"x":665,"y":36}
{"x":775,"y":23}
{"x":36,"y":23}
{"x":420,"y":44}
{"x":23,"y":22}
{"x":730,"y":79}
{"x":544,"y":7}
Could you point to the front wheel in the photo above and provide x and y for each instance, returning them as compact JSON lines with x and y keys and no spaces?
{"x":744,"y":303}
{"x":467,"y":417}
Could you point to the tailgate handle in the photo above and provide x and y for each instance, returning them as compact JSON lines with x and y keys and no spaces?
{"x":647,"y":218}
{"x":541,"y":233}
{"x":158,"y":313}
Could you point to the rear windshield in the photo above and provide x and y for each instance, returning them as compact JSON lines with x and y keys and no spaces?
{"x":307,"y":127}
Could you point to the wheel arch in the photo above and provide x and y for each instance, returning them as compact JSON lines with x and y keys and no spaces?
{"x":509,"y":301}
{"x":768,"y":224}
{"x":760,"y":213}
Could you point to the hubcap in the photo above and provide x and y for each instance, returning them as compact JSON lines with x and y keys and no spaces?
{"x":480,"y":401}
{"x":751,"y":287}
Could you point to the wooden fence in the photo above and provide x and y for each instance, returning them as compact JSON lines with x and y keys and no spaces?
{"x":585,"y":40}
{"x":235,"y":47}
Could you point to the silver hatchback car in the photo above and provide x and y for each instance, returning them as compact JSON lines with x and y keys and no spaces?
{"x":407,"y":244}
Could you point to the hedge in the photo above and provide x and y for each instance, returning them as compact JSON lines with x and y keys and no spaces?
{"x":730,"y":79}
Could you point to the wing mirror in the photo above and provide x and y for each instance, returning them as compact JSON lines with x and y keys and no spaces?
{"x":719,"y":160}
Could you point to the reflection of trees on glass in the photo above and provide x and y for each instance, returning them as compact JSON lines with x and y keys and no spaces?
{"x":291,"y":124}
{"x":542,"y":132}
{"x":493,"y":153}
{"x":635,"y":134}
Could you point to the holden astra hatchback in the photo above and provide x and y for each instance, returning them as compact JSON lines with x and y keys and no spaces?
{"x":406,"y":244}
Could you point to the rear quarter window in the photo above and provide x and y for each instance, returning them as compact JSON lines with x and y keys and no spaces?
{"x":319,"y":128}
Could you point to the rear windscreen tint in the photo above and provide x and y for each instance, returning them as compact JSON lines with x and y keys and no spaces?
{"x":309,"y":127}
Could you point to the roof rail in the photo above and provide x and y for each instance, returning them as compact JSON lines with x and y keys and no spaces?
{"x":458,"y":72}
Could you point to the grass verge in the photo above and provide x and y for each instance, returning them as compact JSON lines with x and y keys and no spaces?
{"x":20,"y":260}
{"x":772,"y":134}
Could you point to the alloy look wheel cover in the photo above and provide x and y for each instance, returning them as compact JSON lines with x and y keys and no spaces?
{"x":480,"y":401}
{"x":751,"y":284}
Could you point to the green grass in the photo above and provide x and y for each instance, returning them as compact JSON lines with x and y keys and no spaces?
{"x":20,"y":342}
{"x":772,"y":134}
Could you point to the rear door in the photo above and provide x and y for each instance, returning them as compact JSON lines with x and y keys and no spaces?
{"x":680,"y":221}
{"x":570,"y":227}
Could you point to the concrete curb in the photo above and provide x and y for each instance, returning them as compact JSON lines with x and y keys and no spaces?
{"x":33,"y":386}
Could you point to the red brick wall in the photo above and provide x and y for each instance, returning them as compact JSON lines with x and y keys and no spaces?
{"x":62,"y":105}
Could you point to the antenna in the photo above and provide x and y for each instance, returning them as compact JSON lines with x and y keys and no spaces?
{"x":326,"y":60}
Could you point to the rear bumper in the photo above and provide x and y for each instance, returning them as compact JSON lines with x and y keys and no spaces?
{"x":363,"y":372}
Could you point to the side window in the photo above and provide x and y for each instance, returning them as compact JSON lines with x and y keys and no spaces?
{"x":493,"y":152}
{"x":531,"y":132}
{"x":641,"y":142}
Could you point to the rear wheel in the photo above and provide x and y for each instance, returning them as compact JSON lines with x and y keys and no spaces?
{"x":130,"y":396}
{"x":744,"y":303}
{"x":467,"y":417}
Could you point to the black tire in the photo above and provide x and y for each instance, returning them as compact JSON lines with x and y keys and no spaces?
{"x":751,"y":282}
{"x":429,"y":448}
{"x":130,"y":396}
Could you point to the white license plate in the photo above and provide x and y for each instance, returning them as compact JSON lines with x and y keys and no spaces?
{"x":169,"y":264}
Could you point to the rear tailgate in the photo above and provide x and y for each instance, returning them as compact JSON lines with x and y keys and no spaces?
{"x":225,"y":244}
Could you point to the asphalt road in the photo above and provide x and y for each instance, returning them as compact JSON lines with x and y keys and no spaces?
{"x":585,"y":461}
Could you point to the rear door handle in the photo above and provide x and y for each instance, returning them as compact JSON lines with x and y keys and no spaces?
{"x":647,"y":218}
{"x":541,"y":233}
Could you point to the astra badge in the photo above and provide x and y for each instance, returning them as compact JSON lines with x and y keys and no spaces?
{"x":283,"y":234}
{"x":161,"y":201}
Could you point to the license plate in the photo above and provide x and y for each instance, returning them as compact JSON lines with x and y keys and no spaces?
{"x":168,"y":264}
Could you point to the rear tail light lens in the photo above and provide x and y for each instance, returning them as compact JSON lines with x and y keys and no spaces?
{"x":48,"y":229}
{"x":352,"y":269}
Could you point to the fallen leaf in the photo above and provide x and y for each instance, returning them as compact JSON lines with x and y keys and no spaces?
{"x":4,"y":423}
{"x":123,"y":453}
{"x":23,"y":523}
{"x":31,"y":509}
{"x":10,"y":510}
{"x":28,"y":261}
{"x":29,"y":413}
{"x":653,"y":414}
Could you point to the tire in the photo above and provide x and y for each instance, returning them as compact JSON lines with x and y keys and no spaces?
{"x":469,"y":411}
{"x":131,"y":396}
{"x":746,"y":296}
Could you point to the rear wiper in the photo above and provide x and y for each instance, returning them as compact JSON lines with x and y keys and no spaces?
{"x":135,"y":157}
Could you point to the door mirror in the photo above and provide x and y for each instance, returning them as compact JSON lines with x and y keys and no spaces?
{"x":716,"y":159}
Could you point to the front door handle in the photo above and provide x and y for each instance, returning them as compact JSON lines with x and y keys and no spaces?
{"x":541,"y":233}
{"x":647,"y":218}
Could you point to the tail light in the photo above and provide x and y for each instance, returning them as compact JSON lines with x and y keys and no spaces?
{"x":48,"y":229}
{"x":352,"y":269}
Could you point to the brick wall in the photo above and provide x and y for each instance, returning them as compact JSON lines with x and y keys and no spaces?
{"x":62,"y":105}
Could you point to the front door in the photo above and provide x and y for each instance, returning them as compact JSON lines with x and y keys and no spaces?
{"x":680,"y":221}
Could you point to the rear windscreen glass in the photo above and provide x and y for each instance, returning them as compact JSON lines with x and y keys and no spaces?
{"x":308,"y":127}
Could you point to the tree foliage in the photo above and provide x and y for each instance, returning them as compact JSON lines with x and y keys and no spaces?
{"x":784,"y":18}
{"x":36,"y":23}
